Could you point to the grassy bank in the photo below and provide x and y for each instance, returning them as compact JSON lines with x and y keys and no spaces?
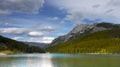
{"x":8,"y":52}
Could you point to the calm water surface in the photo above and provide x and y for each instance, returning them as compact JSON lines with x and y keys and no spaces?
{"x":59,"y":60}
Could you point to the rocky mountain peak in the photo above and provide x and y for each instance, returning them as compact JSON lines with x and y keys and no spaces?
{"x":79,"y":28}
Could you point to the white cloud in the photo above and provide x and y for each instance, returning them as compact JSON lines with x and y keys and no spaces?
{"x":13,"y":30}
{"x":91,"y":9}
{"x":17,"y":38}
{"x":35,"y":33}
{"x":41,"y":40}
{"x":47,"y":39}
{"x":48,"y":28}
{"x":28,"y":31}
{"x":55,"y":18}
{"x":22,"y":6}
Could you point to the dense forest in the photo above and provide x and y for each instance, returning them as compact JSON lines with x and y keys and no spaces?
{"x":102,"y":42}
{"x":10,"y":46}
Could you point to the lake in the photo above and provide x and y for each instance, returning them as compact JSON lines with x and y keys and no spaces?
{"x":59,"y":60}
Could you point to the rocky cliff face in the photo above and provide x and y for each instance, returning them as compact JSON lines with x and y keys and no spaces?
{"x":83,"y":28}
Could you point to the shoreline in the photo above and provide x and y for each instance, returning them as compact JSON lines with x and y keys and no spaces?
{"x":3,"y":54}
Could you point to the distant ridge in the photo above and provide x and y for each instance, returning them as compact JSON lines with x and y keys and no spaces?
{"x":10,"y":46}
{"x":41,"y":45}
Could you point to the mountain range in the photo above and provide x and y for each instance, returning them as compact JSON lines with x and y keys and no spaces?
{"x":89,"y":38}
{"x":83,"y":28}
{"x":100,"y":38}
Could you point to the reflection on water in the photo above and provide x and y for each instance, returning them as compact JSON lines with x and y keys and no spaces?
{"x":59,"y":60}
{"x":43,"y":60}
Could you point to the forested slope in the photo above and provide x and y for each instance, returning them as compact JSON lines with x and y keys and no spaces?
{"x":10,"y":46}
{"x":107,"y":41}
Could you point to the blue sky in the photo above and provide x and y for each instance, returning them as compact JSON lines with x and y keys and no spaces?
{"x":44,"y":20}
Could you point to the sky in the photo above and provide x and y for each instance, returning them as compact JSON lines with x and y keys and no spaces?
{"x":44,"y":20}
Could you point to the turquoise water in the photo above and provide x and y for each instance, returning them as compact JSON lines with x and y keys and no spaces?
{"x":59,"y":60}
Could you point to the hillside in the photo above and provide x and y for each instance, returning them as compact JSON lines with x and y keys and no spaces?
{"x":79,"y":30}
{"x":10,"y":46}
{"x":104,"y":40}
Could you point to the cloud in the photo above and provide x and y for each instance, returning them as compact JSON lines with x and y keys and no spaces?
{"x":55,"y":18}
{"x":21,"y":31}
{"x":47,"y":39}
{"x":35,"y":33}
{"x":62,"y":23}
{"x":17,"y":38}
{"x":78,"y":10}
{"x":20,"y":6}
{"x":15,"y":31}
{"x":48,"y":29}
{"x":41,"y":40}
